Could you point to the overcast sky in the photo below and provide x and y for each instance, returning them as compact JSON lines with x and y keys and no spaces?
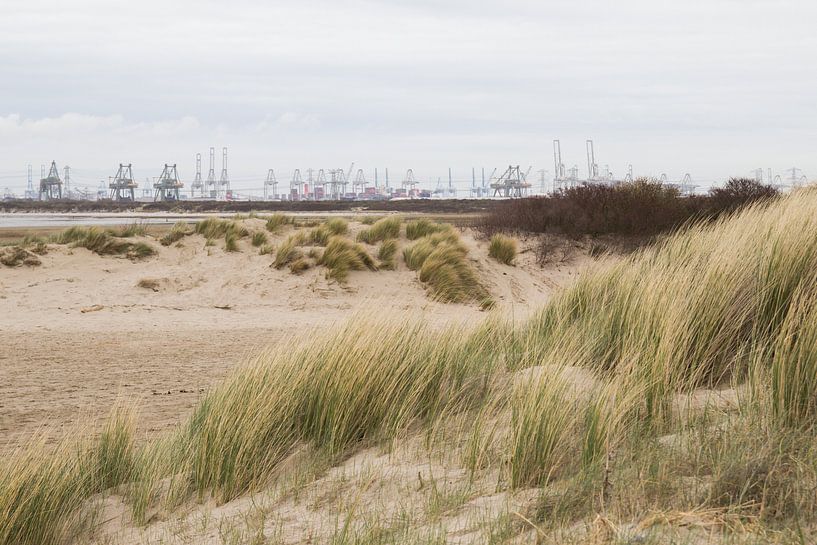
{"x":714,"y":88}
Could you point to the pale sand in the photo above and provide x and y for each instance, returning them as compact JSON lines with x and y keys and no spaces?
{"x":161,"y":350}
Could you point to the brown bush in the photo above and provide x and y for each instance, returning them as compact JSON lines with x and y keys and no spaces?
{"x":644,"y":207}
{"x":738,"y":192}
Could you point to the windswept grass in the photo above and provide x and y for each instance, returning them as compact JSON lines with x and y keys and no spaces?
{"x":35,"y":244}
{"x":42,"y":487}
{"x":792,"y":375}
{"x":543,"y":430}
{"x":337,"y":226}
{"x":422,"y":227}
{"x":231,"y":242}
{"x":320,"y":235}
{"x":288,"y":251}
{"x":392,"y":375}
{"x":178,"y":232}
{"x":102,"y":243}
{"x":342,"y":256}
{"x":259,"y":238}
{"x":111,"y":460}
{"x":41,"y":490}
{"x":276,"y":221}
{"x":503,"y":249}
{"x":441,"y":260}
{"x":214,"y":228}
{"x":132,"y":230}
{"x":300,"y":265}
{"x":387,"y":254}
{"x":382,"y":229}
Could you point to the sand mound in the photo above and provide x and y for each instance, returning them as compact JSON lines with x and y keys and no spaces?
{"x":175,"y":322}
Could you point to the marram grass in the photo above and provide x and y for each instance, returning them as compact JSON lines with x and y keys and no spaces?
{"x":382,"y":229}
{"x":422,"y":227}
{"x":441,"y":260}
{"x":102,"y":242}
{"x":213,"y":228}
{"x":726,"y":305}
{"x":502,"y":248}
{"x":387,"y":254}
{"x":276,"y":221}
{"x":342,"y":256}
{"x":288,"y":251}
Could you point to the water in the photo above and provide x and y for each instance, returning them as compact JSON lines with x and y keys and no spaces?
{"x":60,"y":220}
{"x":28,"y":221}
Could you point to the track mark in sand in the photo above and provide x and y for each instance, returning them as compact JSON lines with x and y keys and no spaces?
{"x":516,"y":290}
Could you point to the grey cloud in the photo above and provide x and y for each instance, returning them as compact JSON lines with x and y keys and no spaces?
{"x":715,"y":88}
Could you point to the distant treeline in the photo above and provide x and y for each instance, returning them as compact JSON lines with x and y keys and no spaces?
{"x":644,"y":207}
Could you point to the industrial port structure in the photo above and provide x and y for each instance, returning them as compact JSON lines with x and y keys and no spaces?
{"x":332,"y":184}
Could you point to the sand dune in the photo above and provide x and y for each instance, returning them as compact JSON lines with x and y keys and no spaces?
{"x":79,"y":332}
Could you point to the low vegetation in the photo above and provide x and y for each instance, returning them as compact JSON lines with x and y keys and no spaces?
{"x":387,"y":254}
{"x":342,"y":256}
{"x":259,"y":238}
{"x":441,"y":260}
{"x":132,"y":230}
{"x":103,"y":243}
{"x":321,"y":234}
{"x":644,"y":208}
{"x":35,"y":244}
{"x":381,"y":230}
{"x":231,"y":242}
{"x":299,"y":265}
{"x":502,"y":248}
{"x":13,"y":256}
{"x":176,"y":233}
{"x":152,"y":284}
{"x":288,"y":251}
{"x":419,"y":228}
{"x":215,"y":228}
{"x":276,"y":221}
{"x":337,"y":226}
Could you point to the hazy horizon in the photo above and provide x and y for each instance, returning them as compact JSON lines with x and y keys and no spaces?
{"x":714,"y":89}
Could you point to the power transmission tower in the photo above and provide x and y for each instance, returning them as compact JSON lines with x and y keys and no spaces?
{"x":123,"y":185}
{"x":67,"y":180}
{"x":224,"y":180}
{"x":592,"y":166}
{"x":198,"y":183}
{"x":30,"y":193}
